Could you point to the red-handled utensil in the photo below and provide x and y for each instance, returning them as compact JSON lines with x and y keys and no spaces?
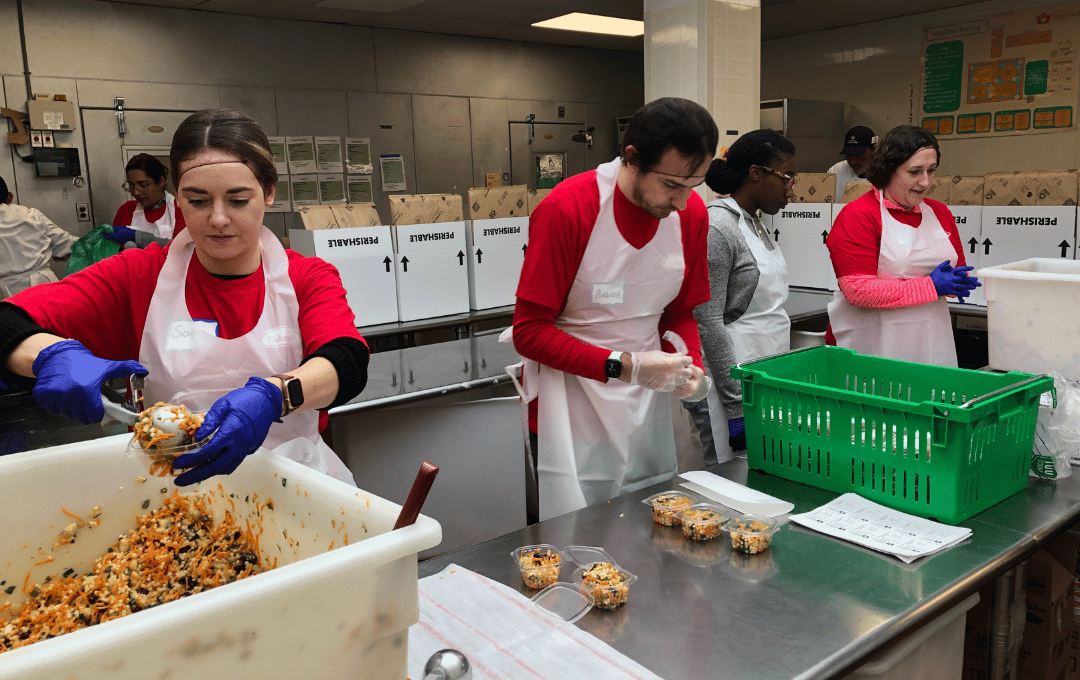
{"x":417,"y":495}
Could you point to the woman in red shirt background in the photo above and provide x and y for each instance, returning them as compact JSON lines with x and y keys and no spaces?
{"x":153,"y":215}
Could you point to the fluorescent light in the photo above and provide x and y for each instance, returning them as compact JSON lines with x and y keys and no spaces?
{"x":594,"y":23}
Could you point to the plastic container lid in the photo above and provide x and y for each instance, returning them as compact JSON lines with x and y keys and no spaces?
{"x":538,"y":575}
{"x":666,"y":506}
{"x":585,"y":556}
{"x":564,"y":601}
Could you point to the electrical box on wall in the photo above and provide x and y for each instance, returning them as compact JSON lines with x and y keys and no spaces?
{"x":53,"y":162}
{"x":47,"y":114}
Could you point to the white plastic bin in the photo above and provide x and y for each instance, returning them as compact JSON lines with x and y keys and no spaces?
{"x":933,"y":652}
{"x":1030,"y":312}
{"x":332,"y":613}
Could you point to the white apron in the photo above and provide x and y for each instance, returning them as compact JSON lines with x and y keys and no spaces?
{"x":17,"y":283}
{"x":922,"y":333}
{"x":598,"y":440}
{"x":163,"y":228}
{"x":189,"y":364}
{"x":764,"y":328}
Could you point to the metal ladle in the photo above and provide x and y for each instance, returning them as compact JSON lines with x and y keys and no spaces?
{"x":447,"y":664}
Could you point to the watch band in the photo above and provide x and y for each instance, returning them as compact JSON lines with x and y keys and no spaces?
{"x":292,"y":393}
{"x":613,"y":365}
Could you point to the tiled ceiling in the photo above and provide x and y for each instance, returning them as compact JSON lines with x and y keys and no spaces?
{"x":511,"y":20}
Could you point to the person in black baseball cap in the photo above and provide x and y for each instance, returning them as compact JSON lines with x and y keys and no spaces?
{"x":859,"y":144}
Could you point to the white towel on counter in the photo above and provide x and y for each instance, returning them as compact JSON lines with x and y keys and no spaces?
{"x":504,"y":637}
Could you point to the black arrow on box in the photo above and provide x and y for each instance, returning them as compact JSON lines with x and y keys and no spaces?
{"x":1064,"y":245}
{"x":479,"y":256}
{"x":776,"y":235}
{"x":460,"y":258}
{"x":973,"y":242}
{"x":387,"y":262}
{"x":405,"y":263}
{"x":824,"y":235}
{"x":524,"y":248}
{"x":986,"y":246}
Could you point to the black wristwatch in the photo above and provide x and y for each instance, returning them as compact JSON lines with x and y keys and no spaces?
{"x":292,"y":393}
{"x":613,"y":365}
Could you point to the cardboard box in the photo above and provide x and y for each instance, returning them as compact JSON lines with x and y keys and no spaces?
{"x":854,"y":190}
{"x":356,"y":215}
{"x":496,"y":254}
{"x":317,"y":217}
{"x":977,"y":637}
{"x":939,"y":188}
{"x":364,"y":259}
{"x":425,"y":209}
{"x":535,"y":196}
{"x":1055,"y":188}
{"x":966,"y":190}
{"x":815,"y":187}
{"x":433,"y":276}
{"x":496,"y":202}
{"x":1009,"y":188}
{"x":1072,"y":667}
{"x":1049,"y":583}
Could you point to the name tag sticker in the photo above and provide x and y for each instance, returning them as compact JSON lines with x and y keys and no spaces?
{"x":608,"y":293}
{"x":185,"y":335}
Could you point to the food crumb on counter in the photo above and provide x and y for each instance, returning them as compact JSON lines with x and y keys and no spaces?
{"x":140,"y":480}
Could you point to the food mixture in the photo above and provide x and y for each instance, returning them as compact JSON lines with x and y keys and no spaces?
{"x":607,"y":584}
{"x":750,"y":537}
{"x":539,"y":567}
{"x":666,"y":508}
{"x":701,"y":525}
{"x":172,"y":553}
{"x":163,"y":427}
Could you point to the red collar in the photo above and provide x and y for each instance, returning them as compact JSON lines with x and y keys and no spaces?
{"x":892,"y":206}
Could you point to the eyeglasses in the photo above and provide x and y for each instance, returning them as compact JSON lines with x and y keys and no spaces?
{"x":789,"y":180}
{"x":142,"y":185}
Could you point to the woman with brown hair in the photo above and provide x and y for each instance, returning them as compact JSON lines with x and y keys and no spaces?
{"x":152,"y":216}
{"x":224,"y":303}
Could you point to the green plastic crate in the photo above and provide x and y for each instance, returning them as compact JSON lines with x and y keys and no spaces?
{"x":901,"y":434}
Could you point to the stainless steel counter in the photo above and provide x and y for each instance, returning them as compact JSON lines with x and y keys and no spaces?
{"x":811,"y":607}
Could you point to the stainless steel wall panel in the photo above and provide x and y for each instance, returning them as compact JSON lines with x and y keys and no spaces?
{"x":442,"y":139}
{"x":546,"y":111}
{"x":140,"y":95}
{"x":257,"y":102}
{"x":312,"y":112}
{"x":490,"y":139}
{"x":387,"y":120}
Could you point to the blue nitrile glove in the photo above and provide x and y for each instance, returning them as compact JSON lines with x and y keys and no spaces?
{"x":120,"y":235}
{"x":239,"y":422}
{"x":950,"y":280}
{"x":736,"y":429}
{"x":69,"y":379}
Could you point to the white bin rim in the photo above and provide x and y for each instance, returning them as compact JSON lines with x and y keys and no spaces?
{"x":884,"y":663}
{"x":1035,"y":269}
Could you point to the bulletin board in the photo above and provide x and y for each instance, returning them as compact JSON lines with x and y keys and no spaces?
{"x":1008,"y":74}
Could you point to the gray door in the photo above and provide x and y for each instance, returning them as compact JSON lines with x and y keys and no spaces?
{"x":107,"y":152}
{"x":551,"y":153}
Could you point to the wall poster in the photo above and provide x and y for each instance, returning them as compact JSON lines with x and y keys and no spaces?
{"x":1006,"y":74}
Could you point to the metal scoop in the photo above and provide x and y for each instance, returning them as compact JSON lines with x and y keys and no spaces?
{"x":112,"y":402}
{"x":447,"y":664}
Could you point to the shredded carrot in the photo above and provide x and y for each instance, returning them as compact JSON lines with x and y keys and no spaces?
{"x":331,"y":546}
{"x":26,"y":583}
{"x":70,"y":514}
{"x":44,"y":561}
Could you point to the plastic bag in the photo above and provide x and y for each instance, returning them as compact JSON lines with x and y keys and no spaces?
{"x":91,"y":248}
{"x":1057,"y":433}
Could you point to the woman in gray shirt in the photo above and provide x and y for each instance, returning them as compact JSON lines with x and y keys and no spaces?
{"x":745,"y":319}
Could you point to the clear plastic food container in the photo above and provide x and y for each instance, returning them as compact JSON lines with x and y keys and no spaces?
{"x":751,"y":534}
{"x":158,"y":426}
{"x":667,"y":505}
{"x":608,"y":582}
{"x":702,"y":521}
{"x":539,"y":564}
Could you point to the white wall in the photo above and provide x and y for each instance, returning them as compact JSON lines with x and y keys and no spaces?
{"x":293,"y":77}
{"x":876,"y":69}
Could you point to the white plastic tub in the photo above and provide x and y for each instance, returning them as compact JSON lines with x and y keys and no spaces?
{"x":933,"y":652}
{"x":332,"y":613}
{"x":1032,"y":324}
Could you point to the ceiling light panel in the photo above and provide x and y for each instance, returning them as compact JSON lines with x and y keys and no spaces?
{"x":594,"y":23}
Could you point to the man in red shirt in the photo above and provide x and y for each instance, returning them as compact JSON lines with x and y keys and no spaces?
{"x":616,"y":261}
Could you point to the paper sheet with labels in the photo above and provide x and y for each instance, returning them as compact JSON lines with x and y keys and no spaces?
{"x":853,"y":518}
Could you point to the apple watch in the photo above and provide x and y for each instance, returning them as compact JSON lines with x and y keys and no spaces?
{"x":613,"y":365}
{"x":292,"y":393}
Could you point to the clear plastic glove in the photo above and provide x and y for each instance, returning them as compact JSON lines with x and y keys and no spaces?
{"x":120,"y":235}
{"x":239,"y":423}
{"x":660,"y":371}
{"x":69,"y":379}
{"x":696,"y":389}
{"x":736,"y":428}
{"x":949,"y":280}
